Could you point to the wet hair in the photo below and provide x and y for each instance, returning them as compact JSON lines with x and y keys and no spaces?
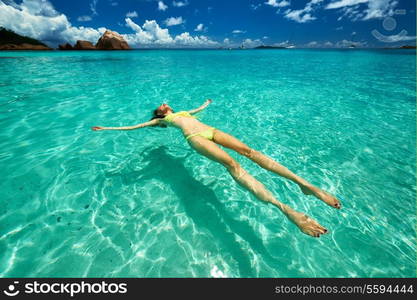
{"x":155,"y":115}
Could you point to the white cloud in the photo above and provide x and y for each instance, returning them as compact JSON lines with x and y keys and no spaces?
{"x":174,"y":21}
{"x":283,"y":44}
{"x":344,"y":3}
{"x":132,"y":25}
{"x":380,"y":9}
{"x":313,"y":44}
{"x":255,"y":6}
{"x":200,"y":27}
{"x":36,"y":7}
{"x":186,"y":39}
{"x":339,"y":44}
{"x":162,"y":6}
{"x":298,"y":16}
{"x":179,"y":3}
{"x":159,"y":34}
{"x":84,"y":18}
{"x":228,"y":43}
{"x":132,"y":14}
{"x":150,"y":34}
{"x":38,"y":19}
{"x":354,"y":13}
{"x":114,"y":3}
{"x":400,"y":37}
{"x":237,"y":31}
{"x":353,"y":9}
{"x":93,"y":6}
{"x":248,"y":43}
{"x":274,"y":3}
{"x":303,"y":15}
{"x":347,"y":44}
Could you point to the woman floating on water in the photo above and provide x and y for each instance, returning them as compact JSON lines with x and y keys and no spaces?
{"x":204,"y":140}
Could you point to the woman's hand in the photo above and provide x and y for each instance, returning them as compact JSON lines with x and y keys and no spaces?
{"x":97,"y":128}
{"x":203,"y":106}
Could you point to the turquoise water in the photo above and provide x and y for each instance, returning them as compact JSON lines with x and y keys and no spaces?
{"x":141,"y":203}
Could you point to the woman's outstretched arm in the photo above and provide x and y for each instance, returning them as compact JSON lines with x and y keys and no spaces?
{"x":193,"y":111}
{"x":141,"y":125}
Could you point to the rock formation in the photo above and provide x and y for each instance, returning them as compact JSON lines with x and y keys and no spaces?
{"x":65,"y":46}
{"x":111,"y":40}
{"x":84,"y":45}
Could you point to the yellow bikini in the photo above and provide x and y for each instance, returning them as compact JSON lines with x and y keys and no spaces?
{"x":207,"y":134}
{"x":169,"y":118}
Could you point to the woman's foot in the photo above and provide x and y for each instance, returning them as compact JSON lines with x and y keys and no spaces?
{"x":322,"y":195}
{"x":306,"y":224}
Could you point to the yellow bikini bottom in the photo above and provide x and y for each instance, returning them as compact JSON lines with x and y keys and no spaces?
{"x":207,"y":134}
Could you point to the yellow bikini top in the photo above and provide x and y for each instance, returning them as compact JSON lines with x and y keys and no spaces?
{"x":169,"y":118}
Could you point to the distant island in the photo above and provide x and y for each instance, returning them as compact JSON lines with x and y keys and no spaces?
{"x":408,"y":47}
{"x":401,"y":47}
{"x":10,"y":40}
{"x":270,"y":47}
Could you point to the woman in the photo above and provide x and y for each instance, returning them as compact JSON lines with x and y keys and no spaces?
{"x":205,"y":140}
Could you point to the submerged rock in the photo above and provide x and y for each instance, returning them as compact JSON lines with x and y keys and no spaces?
{"x":111,"y":40}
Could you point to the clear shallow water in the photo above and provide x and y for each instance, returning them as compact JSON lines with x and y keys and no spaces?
{"x":75,"y":202}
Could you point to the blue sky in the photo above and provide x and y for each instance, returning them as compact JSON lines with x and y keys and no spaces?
{"x":215,"y":23}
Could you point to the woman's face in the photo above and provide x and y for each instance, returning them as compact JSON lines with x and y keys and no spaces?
{"x":163,"y":109}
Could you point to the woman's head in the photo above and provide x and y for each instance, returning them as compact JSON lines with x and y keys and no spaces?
{"x":162,"y":111}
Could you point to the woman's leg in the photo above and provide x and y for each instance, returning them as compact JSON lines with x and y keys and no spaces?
{"x":215,"y":153}
{"x":267,"y":163}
